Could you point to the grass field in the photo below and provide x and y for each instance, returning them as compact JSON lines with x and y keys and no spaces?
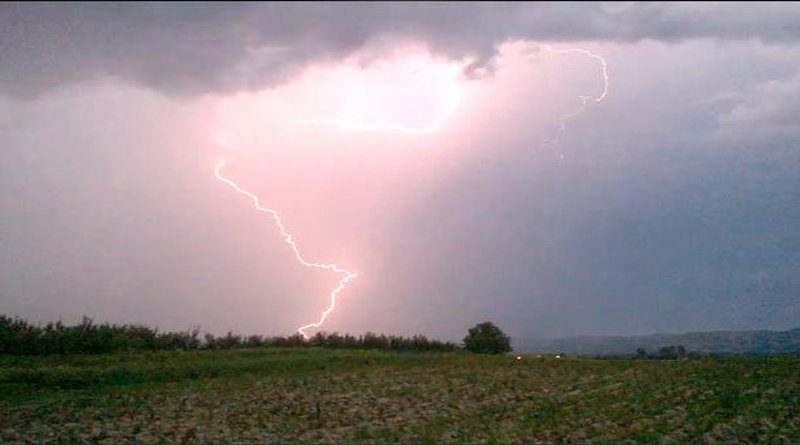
{"x":274,"y":395}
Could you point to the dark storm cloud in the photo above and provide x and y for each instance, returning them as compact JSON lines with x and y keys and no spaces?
{"x":199,"y":48}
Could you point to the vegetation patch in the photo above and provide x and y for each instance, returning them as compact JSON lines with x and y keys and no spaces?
{"x":320,"y":395}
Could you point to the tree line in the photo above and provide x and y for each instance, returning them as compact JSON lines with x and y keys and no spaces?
{"x":20,"y":337}
{"x":670,"y":352}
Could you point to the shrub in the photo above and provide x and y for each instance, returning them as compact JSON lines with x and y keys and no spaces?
{"x":487,"y":338}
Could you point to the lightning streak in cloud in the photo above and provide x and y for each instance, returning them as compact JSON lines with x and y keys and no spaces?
{"x":603,"y":65}
{"x":454,"y":98}
{"x":347,"y":276}
{"x":585,"y":99}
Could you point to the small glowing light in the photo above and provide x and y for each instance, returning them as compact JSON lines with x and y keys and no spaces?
{"x":519,"y":358}
{"x":558,"y":355}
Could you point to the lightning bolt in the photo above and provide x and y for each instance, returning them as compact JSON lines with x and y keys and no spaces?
{"x":453,"y":100}
{"x":603,"y":66}
{"x":584,"y":99}
{"x":346,"y":275}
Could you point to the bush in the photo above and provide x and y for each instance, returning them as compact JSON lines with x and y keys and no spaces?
{"x":487,"y":338}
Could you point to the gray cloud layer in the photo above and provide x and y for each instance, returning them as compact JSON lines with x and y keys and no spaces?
{"x":199,"y":48}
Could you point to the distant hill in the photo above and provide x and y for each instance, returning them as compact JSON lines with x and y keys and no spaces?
{"x":717,"y":342}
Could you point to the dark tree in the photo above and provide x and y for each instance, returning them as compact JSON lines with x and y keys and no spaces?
{"x":667,"y":353}
{"x":487,"y":338}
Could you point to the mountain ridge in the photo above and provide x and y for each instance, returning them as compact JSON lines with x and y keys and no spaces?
{"x":708,"y":342}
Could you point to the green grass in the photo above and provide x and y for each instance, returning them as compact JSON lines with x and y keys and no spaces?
{"x":276,"y":395}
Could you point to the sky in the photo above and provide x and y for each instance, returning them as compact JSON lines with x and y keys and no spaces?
{"x":558,"y":168}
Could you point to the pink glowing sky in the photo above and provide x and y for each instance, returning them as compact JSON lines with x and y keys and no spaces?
{"x":329,"y":149}
{"x":421,"y":147}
